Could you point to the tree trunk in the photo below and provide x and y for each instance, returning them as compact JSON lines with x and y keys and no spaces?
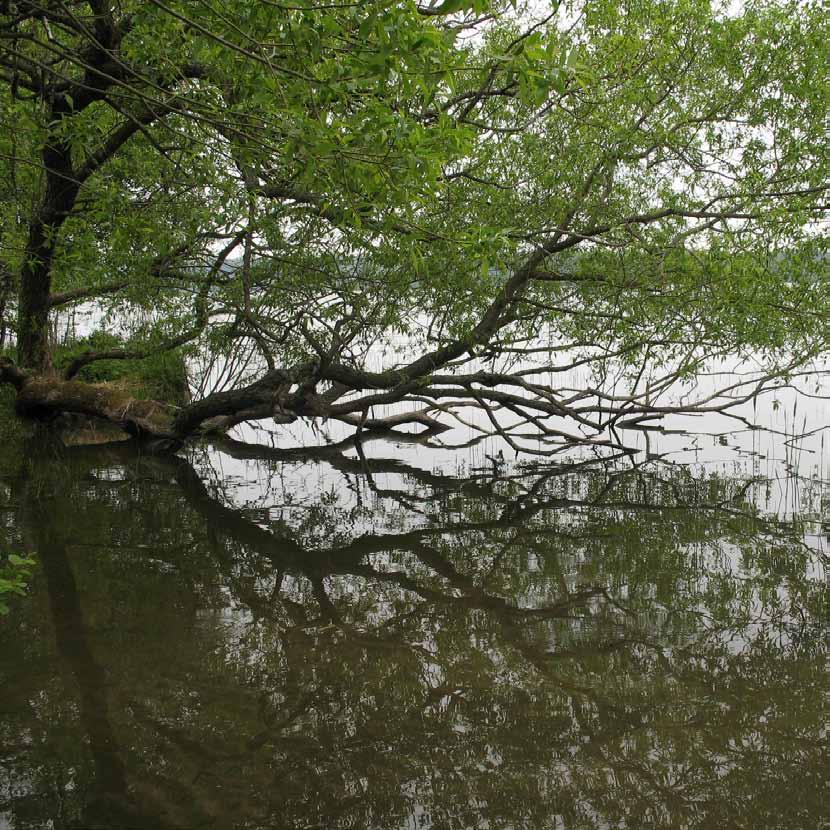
{"x":36,"y":274}
{"x":33,"y":317}
{"x":43,"y":397}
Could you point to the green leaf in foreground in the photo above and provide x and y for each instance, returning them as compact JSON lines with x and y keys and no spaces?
{"x":15,"y":571}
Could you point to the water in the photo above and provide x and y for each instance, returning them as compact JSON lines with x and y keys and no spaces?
{"x":400,"y":635}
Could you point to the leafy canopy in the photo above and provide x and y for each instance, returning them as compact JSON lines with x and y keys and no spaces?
{"x":299,"y":178}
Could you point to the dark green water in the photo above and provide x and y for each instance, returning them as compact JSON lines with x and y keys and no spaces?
{"x":366,"y":645}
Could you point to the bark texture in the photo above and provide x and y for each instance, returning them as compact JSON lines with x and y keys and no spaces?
{"x":47,"y":396}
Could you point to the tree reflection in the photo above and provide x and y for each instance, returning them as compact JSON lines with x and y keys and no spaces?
{"x":598,"y":645}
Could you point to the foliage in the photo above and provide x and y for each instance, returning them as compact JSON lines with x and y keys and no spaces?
{"x":15,"y":571}
{"x":161,"y":376}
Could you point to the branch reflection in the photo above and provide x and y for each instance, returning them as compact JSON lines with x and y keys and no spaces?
{"x":592,"y":645}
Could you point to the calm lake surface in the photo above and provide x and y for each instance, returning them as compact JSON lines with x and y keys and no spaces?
{"x":407,"y":635}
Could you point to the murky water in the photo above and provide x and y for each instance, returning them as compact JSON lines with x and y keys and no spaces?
{"x":399,"y":636}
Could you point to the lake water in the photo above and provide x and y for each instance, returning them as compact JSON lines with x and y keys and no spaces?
{"x":405,"y":634}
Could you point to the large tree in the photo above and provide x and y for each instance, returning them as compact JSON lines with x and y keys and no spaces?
{"x":641,"y":184}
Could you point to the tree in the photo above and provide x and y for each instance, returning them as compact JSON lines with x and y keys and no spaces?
{"x":642,"y":185}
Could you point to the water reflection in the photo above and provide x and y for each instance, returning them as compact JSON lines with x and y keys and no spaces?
{"x":591,"y":645}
